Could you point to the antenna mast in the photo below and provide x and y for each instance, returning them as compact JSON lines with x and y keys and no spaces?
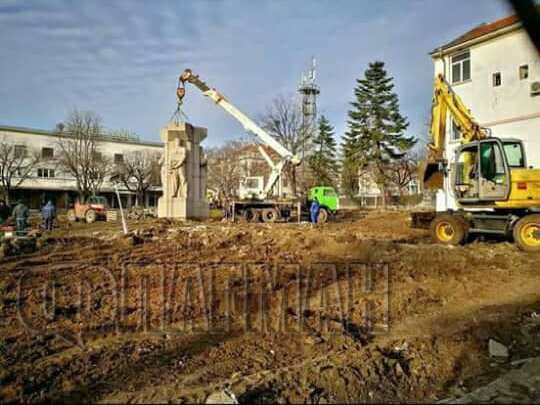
{"x":309,"y":91}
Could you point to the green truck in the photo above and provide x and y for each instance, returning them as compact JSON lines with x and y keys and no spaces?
{"x":327,"y":199}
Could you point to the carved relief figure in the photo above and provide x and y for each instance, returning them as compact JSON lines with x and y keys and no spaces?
{"x":177,"y":172}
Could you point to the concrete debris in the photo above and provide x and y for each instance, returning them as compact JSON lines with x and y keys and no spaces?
{"x":401,"y":348}
{"x":497,"y":349}
{"x":517,"y":386}
{"x":222,"y":397}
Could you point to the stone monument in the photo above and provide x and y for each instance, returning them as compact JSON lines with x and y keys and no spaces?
{"x":183,"y":173}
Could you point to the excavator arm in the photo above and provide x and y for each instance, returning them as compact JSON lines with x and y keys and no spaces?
{"x":445,"y":103}
{"x":247,"y":123}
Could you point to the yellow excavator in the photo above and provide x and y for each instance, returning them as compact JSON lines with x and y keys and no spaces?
{"x":485,"y":187}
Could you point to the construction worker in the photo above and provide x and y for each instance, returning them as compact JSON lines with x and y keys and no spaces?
{"x":20,"y":215}
{"x":48,"y":213}
{"x":4,"y":212}
{"x":314,"y":211}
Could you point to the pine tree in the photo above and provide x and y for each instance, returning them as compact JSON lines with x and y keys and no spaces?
{"x":323,"y":162}
{"x":376,"y":128}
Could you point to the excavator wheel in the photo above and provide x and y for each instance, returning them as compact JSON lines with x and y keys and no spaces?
{"x":90,"y":216}
{"x":449,"y":229}
{"x":527,"y":233}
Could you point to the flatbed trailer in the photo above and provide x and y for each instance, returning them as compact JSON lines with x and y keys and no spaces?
{"x":268,"y":211}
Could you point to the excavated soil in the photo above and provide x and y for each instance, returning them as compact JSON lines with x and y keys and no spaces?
{"x":360,"y":310}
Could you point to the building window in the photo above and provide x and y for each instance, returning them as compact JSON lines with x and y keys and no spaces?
{"x":456,"y":132}
{"x":497,"y":79}
{"x":97,"y":156}
{"x":47,"y":153}
{"x":523,"y":72}
{"x":118,"y":158}
{"x":45,"y":173}
{"x":461,"y":67}
{"x":20,"y":151}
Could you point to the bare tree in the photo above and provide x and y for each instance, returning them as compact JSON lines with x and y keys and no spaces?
{"x":224,"y":170}
{"x":284,"y":121}
{"x":16,"y":165}
{"x":79,"y":153}
{"x":138,"y":171}
{"x":401,"y":172}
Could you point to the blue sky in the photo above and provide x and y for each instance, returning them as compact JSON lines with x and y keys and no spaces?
{"x":121,"y":58}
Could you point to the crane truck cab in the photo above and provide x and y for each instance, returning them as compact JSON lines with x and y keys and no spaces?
{"x":328,"y":201}
{"x":251,"y":188}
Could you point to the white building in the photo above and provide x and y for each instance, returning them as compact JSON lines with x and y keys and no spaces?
{"x":48,"y":181}
{"x":370,"y":194}
{"x":495,"y":69}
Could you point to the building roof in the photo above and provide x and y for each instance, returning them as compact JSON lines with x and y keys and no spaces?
{"x":105,"y":137}
{"x":480,"y":31}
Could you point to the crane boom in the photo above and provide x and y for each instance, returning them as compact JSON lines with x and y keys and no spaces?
{"x":248,"y":124}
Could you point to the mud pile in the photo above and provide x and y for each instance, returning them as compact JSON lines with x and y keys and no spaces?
{"x":361,"y":310}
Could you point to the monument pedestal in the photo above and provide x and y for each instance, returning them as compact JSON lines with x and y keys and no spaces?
{"x":183,"y":173}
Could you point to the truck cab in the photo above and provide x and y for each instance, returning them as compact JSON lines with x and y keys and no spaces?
{"x":251,"y":188}
{"x":328,"y":200}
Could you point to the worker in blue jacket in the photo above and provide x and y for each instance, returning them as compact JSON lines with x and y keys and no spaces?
{"x":48,"y":212}
{"x":314,"y":211}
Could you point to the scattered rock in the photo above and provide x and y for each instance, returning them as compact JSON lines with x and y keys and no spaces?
{"x":497,"y":349}
{"x":222,"y":397}
{"x":399,"y":370}
{"x":310,"y":340}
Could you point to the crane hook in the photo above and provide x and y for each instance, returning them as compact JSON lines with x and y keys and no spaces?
{"x":186,"y":75}
{"x":180,"y":93}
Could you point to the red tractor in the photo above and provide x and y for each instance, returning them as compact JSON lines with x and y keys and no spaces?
{"x":94,"y":209}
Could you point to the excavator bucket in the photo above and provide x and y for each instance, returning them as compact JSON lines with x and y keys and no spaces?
{"x":431,"y":174}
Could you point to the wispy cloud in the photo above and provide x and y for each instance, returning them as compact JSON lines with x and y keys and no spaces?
{"x":122,"y":58}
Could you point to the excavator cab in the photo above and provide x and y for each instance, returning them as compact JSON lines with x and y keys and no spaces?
{"x":482,"y":170}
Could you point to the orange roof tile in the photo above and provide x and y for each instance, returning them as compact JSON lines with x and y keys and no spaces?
{"x":481,"y":30}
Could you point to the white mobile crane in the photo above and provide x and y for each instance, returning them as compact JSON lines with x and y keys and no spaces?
{"x":261,"y":204}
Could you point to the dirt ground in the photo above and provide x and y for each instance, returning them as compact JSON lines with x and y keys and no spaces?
{"x":361,"y":310}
